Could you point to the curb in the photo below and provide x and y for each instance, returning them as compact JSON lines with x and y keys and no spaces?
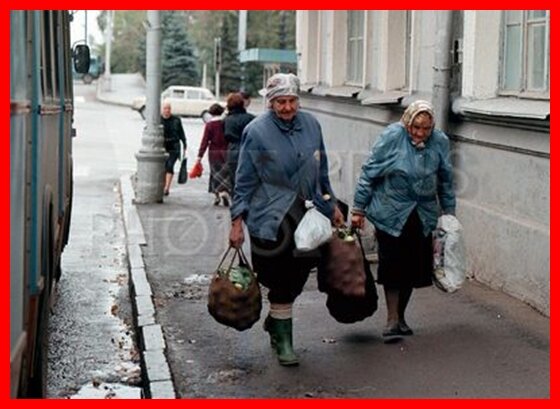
{"x":151,"y":343}
{"x":99,"y":96}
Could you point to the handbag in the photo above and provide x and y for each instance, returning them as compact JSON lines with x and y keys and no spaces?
{"x":234,"y":296}
{"x":182,"y":177}
{"x":350,"y":309}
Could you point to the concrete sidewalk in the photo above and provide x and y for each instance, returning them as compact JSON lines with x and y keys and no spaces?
{"x":122,"y":90}
{"x":476,"y":343}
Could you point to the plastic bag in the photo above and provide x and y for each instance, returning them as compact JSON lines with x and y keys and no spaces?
{"x":196,"y":170}
{"x":313,"y":230}
{"x":450,"y":263}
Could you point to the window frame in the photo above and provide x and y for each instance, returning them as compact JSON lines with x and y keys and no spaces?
{"x":362,"y":41}
{"x":524,"y":91}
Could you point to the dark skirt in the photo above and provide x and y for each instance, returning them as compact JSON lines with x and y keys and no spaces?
{"x":405,"y":261}
{"x":170,"y":161}
{"x":219,"y":178}
{"x":280,"y":267}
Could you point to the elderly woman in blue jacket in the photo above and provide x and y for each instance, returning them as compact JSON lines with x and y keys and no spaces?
{"x":282,"y":163}
{"x":403,"y":185}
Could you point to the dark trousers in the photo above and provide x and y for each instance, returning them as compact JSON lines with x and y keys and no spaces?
{"x":280,"y":267}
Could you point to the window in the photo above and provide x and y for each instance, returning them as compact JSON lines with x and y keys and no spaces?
{"x":526,"y":43}
{"x":193,"y":94}
{"x":178,"y":93}
{"x":46,"y":55}
{"x":355,"y":47}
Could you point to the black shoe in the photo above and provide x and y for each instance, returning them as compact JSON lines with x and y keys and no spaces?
{"x":404,"y":329}
{"x":217,"y":201}
{"x":166,"y":192}
{"x":225,"y":200}
{"x":391,"y":334}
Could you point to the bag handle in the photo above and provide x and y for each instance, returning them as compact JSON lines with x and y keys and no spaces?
{"x":359,"y":236}
{"x":239,"y":253}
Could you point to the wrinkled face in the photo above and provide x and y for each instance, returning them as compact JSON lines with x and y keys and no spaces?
{"x":285,"y":107}
{"x":421,"y":127}
{"x":166,"y":110}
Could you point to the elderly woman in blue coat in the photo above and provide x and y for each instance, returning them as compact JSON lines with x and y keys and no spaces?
{"x":282,"y":163}
{"x":404,"y":185}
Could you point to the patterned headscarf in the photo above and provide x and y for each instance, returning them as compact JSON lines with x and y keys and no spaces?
{"x":416,"y":108}
{"x":282,"y":85}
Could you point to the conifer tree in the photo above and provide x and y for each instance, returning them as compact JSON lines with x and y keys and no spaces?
{"x":179,"y":62}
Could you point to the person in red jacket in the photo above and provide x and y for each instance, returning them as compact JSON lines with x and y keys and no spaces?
{"x":213,"y":140}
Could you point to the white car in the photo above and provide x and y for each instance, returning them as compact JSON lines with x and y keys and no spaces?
{"x":184,"y":100}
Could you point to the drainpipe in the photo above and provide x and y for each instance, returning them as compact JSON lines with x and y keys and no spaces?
{"x":442,"y":68}
{"x":411,"y":62}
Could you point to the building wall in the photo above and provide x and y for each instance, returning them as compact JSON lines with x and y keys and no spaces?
{"x":502,"y":178}
{"x":502,"y":166}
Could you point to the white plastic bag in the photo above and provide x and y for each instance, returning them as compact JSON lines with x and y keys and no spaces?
{"x":450,"y":262}
{"x":313,"y":230}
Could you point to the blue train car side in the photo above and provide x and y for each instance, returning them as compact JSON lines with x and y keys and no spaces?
{"x":41,"y":109}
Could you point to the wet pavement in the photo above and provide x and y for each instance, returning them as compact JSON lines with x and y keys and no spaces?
{"x":92,"y":345}
{"x":476,"y":343}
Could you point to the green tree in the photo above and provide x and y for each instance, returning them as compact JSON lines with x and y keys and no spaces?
{"x":128,"y":30}
{"x":230,"y":78}
{"x":268,"y":29}
{"x":179,"y":62}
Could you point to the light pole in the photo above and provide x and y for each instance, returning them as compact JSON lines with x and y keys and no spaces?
{"x":151,"y":156}
{"x":241,"y":42}
{"x":217,"y":63}
{"x":108,"y":40}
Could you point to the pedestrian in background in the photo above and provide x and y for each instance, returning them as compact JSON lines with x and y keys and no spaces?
{"x":403,"y":184}
{"x":282,"y":163}
{"x":213,"y":140}
{"x":246,"y":99}
{"x":235,"y":122}
{"x":173,"y":136}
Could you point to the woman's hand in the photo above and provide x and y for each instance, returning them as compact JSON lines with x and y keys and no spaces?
{"x":357,"y":221}
{"x":337,"y":218}
{"x":236,"y":236}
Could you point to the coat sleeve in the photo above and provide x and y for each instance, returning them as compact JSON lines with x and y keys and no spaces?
{"x":374,"y":168}
{"x":181,"y":133}
{"x":205,"y":141}
{"x":246,"y":177}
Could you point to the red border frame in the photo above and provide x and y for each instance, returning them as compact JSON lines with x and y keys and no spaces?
{"x":313,"y":4}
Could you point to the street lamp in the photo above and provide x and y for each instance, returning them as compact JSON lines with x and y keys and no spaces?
{"x":151,"y":156}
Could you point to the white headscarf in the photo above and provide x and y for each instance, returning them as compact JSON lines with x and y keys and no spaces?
{"x":282,"y":85}
{"x":416,"y":108}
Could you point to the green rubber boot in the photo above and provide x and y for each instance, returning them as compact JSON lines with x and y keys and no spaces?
{"x":281,"y":339}
{"x":267,"y":326}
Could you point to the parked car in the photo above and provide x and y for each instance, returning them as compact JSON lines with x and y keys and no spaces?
{"x":185,"y":101}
